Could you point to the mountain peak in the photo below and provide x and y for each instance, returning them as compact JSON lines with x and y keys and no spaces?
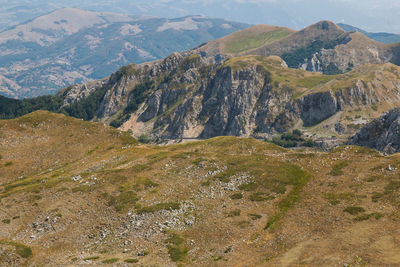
{"x":324,"y":25}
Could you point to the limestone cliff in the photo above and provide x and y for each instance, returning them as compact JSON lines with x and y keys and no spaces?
{"x":191,"y":96}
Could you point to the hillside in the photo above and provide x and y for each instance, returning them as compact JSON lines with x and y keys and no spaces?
{"x":224,"y":201}
{"x":70,"y":46}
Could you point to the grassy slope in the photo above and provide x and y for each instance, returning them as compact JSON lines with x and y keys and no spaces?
{"x":251,"y":203}
{"x":254,"y":37}
{"x":246,"y":40}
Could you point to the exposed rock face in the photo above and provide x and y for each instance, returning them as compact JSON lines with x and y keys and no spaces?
{"x":382,"y":134}
{"x":192,"y":96}
{"x":317,"y":107}
{"x":77,"y":92}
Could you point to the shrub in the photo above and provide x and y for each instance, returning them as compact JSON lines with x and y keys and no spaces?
{"x":113,"y":260}
{"x":364,"y":217}
{"x":144,"y":138}
{"x":337,"y":168}
{"x":236,"y":196}
{"x":293,"y":139}
{"x":234,"y":213}
{"x":6,"y":221}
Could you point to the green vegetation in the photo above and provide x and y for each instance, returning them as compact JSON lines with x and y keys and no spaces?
{"x":158,"y":207}
{"x":176,"y":248}
{"x":248,"y":186}
{"x":234,"y":213}
{"x":298,"y":178}
{"x":246,"y":40}
{"x":145,"y":139}
{"x":260,"y":196}
{"x":123,"y":201}
{"x":293,"y":139}
{"x":313,"y":81}
{"x":137,"y":97}
{"x":331,"y":69}
{"x":236,"y":196}
{"x":85,"y":108}
{"x":131,"y":260}
{"x":21,"y":249}
{"x":354,"y":210}
{"x":11,"y":108}
{"x":365,"y":217}
{"x":144,"y":183}
{"x":6,"y":221}
{"x":336,"y":198}
{"x":112,"y":260}
{"x":337,"y":168}
{"x":129,"y":70}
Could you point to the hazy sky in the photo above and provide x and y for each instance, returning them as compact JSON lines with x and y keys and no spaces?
{"x":371,"y":15}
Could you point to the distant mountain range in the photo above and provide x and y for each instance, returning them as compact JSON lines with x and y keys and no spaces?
{"x":71,"y":46}
{"x":372,"y":15}
{"x":382,"y":37}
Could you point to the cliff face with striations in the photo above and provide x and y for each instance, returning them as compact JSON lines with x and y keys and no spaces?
{"x":191,"y":96}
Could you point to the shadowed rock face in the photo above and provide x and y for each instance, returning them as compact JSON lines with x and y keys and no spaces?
{"x":382,"y":134}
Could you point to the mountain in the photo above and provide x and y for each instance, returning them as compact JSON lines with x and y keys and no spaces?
{"x":70,"y":46}
{"x":206,"y":92}
{"x":321,"y":47}
{"x":383,"y":37}
{"x":80,"y":193}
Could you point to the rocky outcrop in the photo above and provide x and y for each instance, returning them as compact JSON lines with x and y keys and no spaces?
{"x":194,"y":96}
{"x":317,"y":107}
{"x":382,"y":134}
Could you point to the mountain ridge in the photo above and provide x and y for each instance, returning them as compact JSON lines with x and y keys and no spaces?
{"x":384,"y":37}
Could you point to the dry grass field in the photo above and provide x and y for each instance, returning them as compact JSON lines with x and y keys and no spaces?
{"x":80,"y":193}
